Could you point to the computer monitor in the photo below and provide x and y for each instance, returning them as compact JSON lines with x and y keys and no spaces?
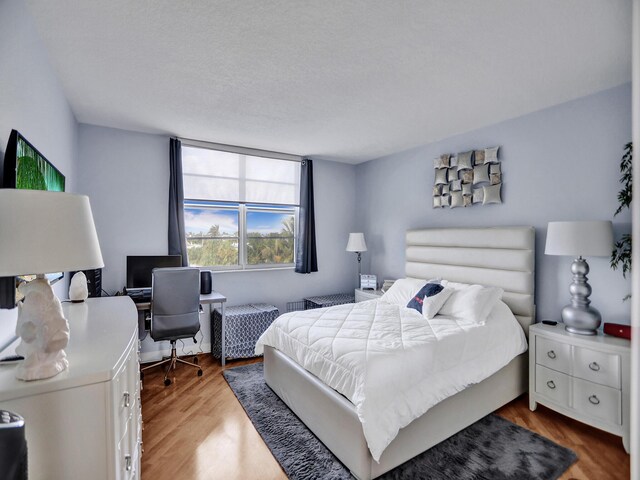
{"x":139,"y":268}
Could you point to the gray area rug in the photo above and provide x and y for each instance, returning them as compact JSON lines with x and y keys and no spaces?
{"x":492,"y":448}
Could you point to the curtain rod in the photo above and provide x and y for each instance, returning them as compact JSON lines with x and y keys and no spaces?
{"x":242,"y":150}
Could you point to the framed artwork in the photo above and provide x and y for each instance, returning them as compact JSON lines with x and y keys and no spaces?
{"x":467,"y":178}
{"x":24,"y":167}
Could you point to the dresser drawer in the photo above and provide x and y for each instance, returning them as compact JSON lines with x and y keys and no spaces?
{"x":597,"y":401}
{"x":554,"y":355}
{"x":124,"y":458}
{"x":119,"y":386}
{"x":553,"y":385}
{"x":597,"y":367}
{"x":134,"y":449}
{"x":125,"y":393}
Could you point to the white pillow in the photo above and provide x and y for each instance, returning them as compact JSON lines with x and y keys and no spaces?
{"x":432,"y":305}
{"x":455,"y":285}
{"x":471,"y":303}
{"x":403,"y":290}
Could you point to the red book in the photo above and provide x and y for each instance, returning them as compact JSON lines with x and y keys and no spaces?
{"x":617,"y":330}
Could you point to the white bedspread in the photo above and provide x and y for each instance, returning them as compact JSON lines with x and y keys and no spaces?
{"x":392,"y":363}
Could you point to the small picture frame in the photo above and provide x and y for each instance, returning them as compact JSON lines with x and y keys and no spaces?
{"x":368,"y":282}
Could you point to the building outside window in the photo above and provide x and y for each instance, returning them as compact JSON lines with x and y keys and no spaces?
{"x":240,"y":207}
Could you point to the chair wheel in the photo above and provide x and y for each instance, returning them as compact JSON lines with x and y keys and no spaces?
{"x":195,"y":359}
{"x":167,"y":382}
{"x":200,"y":372}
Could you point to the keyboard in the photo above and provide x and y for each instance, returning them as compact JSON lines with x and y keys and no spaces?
{"x":139,"y":295}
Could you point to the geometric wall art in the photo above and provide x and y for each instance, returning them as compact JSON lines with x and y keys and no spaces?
{"x":467,"y":178}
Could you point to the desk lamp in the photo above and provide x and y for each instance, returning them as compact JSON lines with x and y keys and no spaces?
{"x":593,"y":238}
{"x":44,"y":232}
{"x":357,"y":244}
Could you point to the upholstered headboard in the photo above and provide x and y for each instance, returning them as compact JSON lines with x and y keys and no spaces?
{"x":496,"y":256}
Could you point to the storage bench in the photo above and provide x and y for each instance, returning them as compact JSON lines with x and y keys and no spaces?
{"x":243,"y":326}
{"x":328,"y":300}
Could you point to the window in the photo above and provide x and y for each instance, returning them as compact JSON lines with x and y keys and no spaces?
{"x":240,"y":209}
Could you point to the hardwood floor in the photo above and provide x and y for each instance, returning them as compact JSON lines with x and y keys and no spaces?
{"x":195,"y":429}
{"x":600,"y":454}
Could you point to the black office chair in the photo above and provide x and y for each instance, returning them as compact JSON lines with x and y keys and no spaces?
{"x":175,"y":312}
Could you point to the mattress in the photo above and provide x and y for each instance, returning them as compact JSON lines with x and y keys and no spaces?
{"x":392,"y":363}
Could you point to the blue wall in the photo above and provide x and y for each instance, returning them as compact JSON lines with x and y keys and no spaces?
{"x":560,"y":163}
{"x":32,"y":101}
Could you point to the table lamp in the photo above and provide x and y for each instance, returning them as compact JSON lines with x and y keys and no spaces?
{"x":357,"y":244}
{"x":44,"y":232}
{"x":592,"y":238}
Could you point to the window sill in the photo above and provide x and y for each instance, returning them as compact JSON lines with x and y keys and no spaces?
{"x":247,"y":270}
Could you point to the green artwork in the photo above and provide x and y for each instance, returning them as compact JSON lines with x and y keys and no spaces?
{"x":34,"y":173}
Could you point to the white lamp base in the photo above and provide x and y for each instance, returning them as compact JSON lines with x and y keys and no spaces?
{"x":43,"y":330}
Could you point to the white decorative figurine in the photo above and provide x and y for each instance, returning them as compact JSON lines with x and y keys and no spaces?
{"x":43,"y":330}
{"x":78,"y":291}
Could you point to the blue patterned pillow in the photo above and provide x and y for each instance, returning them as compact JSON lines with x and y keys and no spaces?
{"x":429,"y":290}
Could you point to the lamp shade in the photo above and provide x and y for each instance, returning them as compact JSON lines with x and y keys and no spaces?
{"x":45,"y":232}
{"x":589,"y":239}
{"x":356,"y":243}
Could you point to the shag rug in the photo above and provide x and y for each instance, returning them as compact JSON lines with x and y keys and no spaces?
{"x":492,"y":448}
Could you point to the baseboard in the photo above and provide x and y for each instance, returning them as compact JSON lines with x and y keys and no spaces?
{"x":189,"y":349}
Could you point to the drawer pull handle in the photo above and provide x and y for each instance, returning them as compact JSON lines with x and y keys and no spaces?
{"x":595,"y":400}
{"x":594,"y":366}
{"x":551,"y":385}
{"x":127,"y":463}
{"x":551,"y":354}
{"x":127,"y":401}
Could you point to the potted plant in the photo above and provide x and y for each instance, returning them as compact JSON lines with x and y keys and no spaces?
{"x":621,"y":254}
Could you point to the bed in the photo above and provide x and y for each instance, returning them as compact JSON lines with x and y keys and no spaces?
{"x":499,"y":256}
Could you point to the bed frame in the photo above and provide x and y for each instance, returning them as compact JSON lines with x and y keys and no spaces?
{"x":500,"y":256}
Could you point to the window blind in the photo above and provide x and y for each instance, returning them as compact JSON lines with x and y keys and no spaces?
{"x":215,"y":175}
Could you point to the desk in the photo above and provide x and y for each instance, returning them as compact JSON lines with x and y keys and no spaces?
{"x":205,"y":299}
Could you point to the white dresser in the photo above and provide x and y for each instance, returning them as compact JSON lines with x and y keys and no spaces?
{"x":86,"y":421}
{"x":583,"y":377}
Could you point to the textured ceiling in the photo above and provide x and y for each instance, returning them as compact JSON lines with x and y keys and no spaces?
{"x":342,"y":80}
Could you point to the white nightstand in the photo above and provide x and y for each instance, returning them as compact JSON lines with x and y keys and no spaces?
{"x":583,"y":377}
{"x":363,"y":295}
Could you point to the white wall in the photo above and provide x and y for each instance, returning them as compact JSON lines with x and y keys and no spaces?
{"x":126,"y":176}
{"x":32,"y":102}
{"x":560,"y":163}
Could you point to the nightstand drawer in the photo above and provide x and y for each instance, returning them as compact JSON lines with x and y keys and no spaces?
{"x":597,"y":401}
{"x":598,"y":367}
{"x":554,"y":355}
{"x":553,"y":385}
